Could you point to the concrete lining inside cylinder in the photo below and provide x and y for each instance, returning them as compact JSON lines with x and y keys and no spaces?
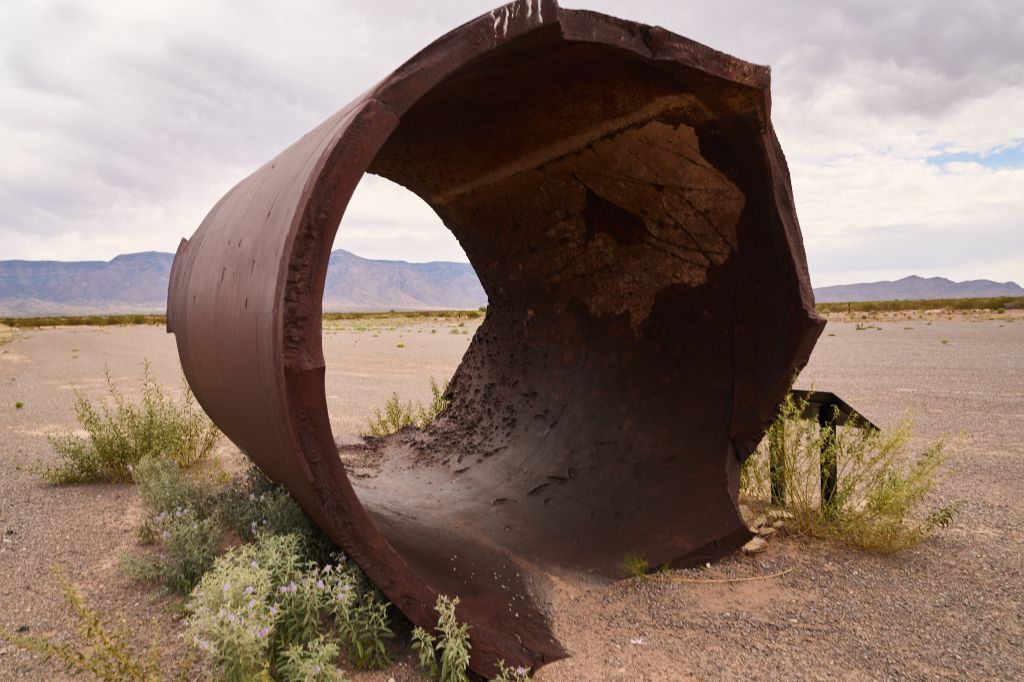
{"x":591,"y":414}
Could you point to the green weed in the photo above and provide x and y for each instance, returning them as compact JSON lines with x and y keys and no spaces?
{"x":261,"y":609}
{"x":507,"y":674}
{"x":121,"y":433}
{"x":453,"y":644}
{"x":634,"y":565}
{"x":107,"y":654}
{"x":881,"y":484}
{"x":255,"y":505}
{"x":397,"y":415}
{"x":423,"y":644}
{"x":180,"y":520}
{"x":310,"y":662}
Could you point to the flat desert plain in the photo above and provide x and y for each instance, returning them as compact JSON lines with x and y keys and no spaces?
{"x":952,"y":608}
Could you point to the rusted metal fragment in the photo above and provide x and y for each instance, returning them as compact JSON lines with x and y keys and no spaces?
{"x":624,"y":200}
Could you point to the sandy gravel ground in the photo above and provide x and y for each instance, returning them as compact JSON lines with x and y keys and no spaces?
{"x":951,"y":609}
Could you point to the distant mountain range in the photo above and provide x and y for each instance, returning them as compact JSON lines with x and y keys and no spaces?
{"x":137,"y":283}
{"x":916,"y":288}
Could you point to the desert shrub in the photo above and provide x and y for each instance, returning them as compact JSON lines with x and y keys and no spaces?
{"x":262,"y":609}
{"x":231,"y":619}
{"x":255,"y":505}
{"x":881,"y":485}
{"x":180,"y":519}
{"x":104,"y":653}
{"x":121,"y":433}
{"x":163,"y":486}
{"x":362,"y":622}
{"x":396,"y":415}
{"x":188,"y":546}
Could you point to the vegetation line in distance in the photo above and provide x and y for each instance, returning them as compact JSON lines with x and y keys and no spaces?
{"x":111,"y":320}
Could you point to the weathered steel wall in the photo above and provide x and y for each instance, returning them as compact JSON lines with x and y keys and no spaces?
{"x":623,"y":197}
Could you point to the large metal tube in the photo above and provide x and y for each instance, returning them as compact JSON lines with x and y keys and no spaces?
{"x":624,"y":199}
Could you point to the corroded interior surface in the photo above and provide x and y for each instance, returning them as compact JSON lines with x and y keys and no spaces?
{"x":621,"y":194}
{"x":595,"y":225}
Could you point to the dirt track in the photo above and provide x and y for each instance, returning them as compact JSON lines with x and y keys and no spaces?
{"x":951,"y":609}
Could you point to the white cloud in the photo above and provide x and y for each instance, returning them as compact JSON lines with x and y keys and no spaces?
{"x":123,"y":122}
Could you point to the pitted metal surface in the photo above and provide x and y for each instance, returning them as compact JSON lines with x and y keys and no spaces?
{"x":622,"y":195}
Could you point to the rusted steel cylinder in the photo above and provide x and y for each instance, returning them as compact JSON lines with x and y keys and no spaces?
{"x":622,"y":195}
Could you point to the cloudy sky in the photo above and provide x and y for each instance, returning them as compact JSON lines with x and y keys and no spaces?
{"x":121,"y":123}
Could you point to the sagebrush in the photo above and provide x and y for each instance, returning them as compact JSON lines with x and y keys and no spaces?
{"x":121,"y":433}
{"x":881,"y":489}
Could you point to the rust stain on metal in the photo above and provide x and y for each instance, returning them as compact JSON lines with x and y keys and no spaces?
{"x":624,"y":199}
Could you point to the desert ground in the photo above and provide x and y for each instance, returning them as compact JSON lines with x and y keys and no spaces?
{"x":952,"y":608}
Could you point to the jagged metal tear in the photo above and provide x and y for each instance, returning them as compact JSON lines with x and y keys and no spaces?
{"x":623,"y":198}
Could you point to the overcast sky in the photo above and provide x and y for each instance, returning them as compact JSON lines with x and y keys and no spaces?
{"x":121,"y":123}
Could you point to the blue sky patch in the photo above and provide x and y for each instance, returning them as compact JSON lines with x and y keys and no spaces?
{"x":1011,"y":157}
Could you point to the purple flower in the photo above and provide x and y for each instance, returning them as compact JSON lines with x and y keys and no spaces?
{"x":227,"y":586}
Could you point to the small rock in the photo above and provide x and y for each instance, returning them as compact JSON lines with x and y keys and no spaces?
{"x":765,"y":531}
{"x":755,"y":546}
{"x":746,"y":514}
{"x":758,"y":522}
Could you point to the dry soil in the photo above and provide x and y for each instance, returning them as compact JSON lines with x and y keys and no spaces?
{"x":949,"y":609}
